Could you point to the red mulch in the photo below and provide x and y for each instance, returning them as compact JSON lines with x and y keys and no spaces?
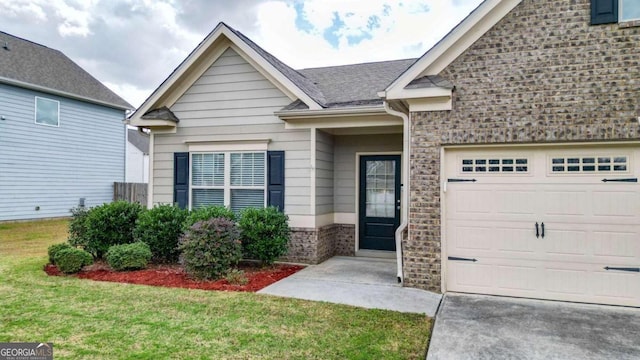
{"x":174,"y":276}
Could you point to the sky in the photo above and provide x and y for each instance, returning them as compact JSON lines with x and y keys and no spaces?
{"x":131,"y":46}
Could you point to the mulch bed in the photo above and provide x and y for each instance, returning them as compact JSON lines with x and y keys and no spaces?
{"x":174,"y":276}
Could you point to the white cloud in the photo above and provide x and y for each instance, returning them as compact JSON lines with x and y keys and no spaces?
{"x":403,"y":29}
{"x":24,"y":9}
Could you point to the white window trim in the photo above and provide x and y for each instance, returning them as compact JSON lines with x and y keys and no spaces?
{"x":227,"y":187}
{"x":35,"y":112}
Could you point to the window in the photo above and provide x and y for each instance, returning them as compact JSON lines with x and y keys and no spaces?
{"x":629,"y":10}
{"x":232,"y":179}
{"x":47,"y":112}
{"x":613,"y":11}
{"x":589,"y":164}
{"x":495,"y":165}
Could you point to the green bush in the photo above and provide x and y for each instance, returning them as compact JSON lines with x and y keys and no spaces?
{"x":236,"y":277}
{"x":54,"y":249}
{"x":209,"y":248}
{"x":72,"y":260}
{"x":265,"y":233}
{"x":208,"y":212}
{"x":110,"y":224}
{"x":161,"y":228}
{"x":78,"y":227}
{"x":129,"y":256}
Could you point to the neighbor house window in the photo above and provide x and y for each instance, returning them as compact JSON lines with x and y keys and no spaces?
{"x":629,"y":10}
{"x":232,"y":179}
{"x":47,"y":112}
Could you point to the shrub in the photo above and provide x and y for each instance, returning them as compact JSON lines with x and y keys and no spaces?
{"x":265,"y":233}
{"x":161,"y":228}
{"x":78,"y":228}
{"x":209,"y":248}
{"x":54,"y":249}
{"x":208,"y":212}
{"x":236,"y":277}
{"x":110,"y":224}
{"x":129,"y":256}
{"x":72,"y":260}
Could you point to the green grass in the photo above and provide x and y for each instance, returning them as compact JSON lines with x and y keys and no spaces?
{"x":87,"y":319}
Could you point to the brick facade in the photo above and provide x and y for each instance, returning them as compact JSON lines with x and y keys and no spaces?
{"x":542,"y":74}
{"x":313,"y":246}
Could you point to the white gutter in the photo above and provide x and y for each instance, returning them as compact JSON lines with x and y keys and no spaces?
{"x":352,"y":110}
{"x":405,"y":184}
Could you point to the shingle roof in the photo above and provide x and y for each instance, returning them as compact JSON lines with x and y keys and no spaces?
{"x":356,"y":84}
{"x":163,"y":113}
{"x":27,"y":62}
{"x":139,"y":140}
{"x":335,"y":86}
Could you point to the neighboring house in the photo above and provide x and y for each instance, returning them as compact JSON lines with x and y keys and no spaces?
{"x":137,"y":156}
{"x":516,"y":138}
{"x":62,"y":137}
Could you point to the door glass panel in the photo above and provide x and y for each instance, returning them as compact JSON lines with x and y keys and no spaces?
{"x":380,"y":188}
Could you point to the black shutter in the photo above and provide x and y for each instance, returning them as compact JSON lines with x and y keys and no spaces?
{"x":275,"y":185}
{"x":604,"y":11}
{"x":181,"y":179}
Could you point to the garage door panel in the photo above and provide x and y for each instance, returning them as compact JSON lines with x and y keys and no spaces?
{"x":514,"y":239}
{"x":588,"y":225}
{"x":615,"y":204}
{"x":515,"y":202}
{"x":560,"y":280}
{"x":616,"y":244}
{"x":516,"y":277}
{"x":616,"y":285}
{"x":565,"y":203}
{"x":566,"y":242}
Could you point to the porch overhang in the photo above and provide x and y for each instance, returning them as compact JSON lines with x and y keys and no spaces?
{"x":361,"y":117}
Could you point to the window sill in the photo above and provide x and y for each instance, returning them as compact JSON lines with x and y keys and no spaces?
{"x":629,"y":24}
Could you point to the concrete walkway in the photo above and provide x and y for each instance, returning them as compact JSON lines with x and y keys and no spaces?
{"x":364,"y":282}
{"x":491,"y":327}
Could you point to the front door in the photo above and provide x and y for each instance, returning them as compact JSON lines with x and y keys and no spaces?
{"x":379,"y":208}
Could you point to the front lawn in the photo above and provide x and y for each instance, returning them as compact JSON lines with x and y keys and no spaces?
{"x":87,"y":319}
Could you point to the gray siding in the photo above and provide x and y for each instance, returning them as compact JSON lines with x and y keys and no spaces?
{"x":52,"y":167}
{"x":324,"y":173}
{"x":345,"y":151}
{"x":233,"y":101}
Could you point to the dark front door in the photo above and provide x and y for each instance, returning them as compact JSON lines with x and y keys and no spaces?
{"x":379,"y":208}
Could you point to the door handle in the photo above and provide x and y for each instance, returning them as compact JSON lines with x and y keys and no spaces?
{"x":537,"y":231}
{"x":542,"y":226}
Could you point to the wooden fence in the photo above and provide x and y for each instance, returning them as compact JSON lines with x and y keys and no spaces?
{"x":131,"y":192}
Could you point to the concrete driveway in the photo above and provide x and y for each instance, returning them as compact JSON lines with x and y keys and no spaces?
{"x":487,"y":327}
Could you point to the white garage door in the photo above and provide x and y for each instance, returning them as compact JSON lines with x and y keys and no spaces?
{"x":561,"y":223}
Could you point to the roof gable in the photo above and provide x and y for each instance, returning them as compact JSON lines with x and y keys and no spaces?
{"x":27,"y":64}
{"x":223,"y":37}
{"x":458,"y":40}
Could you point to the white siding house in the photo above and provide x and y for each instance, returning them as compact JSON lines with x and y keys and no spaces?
{"x":62,"y":137}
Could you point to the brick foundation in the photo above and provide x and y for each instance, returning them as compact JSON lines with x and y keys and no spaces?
{"x":313,"y":246}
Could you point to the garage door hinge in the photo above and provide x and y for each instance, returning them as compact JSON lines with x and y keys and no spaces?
{"x":461,"y":180}
{"x":460,"y":259}
{"x":622,"y":269}
{"x":635,"y":180}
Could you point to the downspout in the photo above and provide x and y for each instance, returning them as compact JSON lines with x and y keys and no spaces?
{"x":405,"y":185}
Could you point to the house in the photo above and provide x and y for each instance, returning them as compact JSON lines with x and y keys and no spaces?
{"x":137,"y":156}
{"x":503,"y":161}
{"x":62,"y":137}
